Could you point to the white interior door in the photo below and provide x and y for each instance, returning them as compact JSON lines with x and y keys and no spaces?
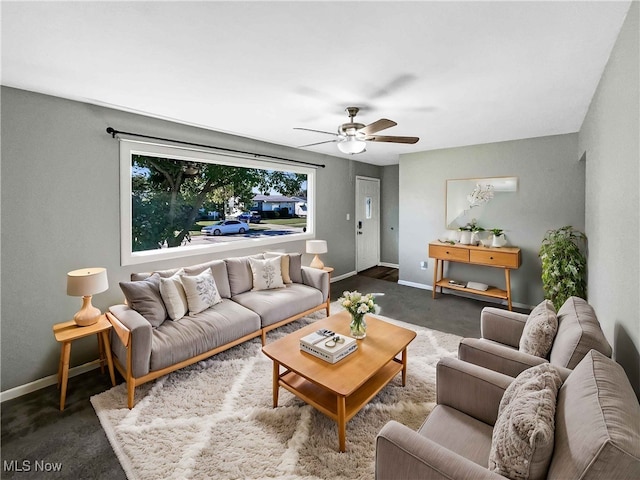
{"x":367,"y":222}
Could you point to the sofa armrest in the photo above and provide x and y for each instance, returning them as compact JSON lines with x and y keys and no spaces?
{"x":318,"y":279}
{"x":501,"y":359}
{"x":402,"y":453}
{"x":473,"y":390}
{"x":140,"y":334}
{"x":496,"y":357}
{"x":502,"y":326}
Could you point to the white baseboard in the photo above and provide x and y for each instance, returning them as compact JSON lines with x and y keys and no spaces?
{"x":390,"y":265}
{"x":343,"y":276}
{"x":46,"y":381}
{"x":422,"y":286}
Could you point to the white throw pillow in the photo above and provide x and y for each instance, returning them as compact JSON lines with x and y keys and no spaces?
{"x":284,"y":264}
{"x":201,"y":291}
{"x":267,"y":274}
{"x":173,"y":295}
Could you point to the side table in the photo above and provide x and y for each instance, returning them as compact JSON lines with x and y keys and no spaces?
{"x":329,"y":270}
{"x":67,"y":332}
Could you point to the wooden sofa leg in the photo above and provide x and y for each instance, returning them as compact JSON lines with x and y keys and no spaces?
{"x":131,"y":388}
{"x":263,"y":337}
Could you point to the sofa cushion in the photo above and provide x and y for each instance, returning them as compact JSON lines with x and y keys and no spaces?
{"x":597,"y":423}
{"x":539,"y":330}
{"x":240,"y":275}
{"x":173,"y":296}
{"x":458,"y":432}
{"x":220,"y":275}
{"x":522,"y":441}
{"x":174,"y":342}
{"x":295,"y":267}
{"x":578,"y":332}
{"x":201,"y":291}
{"x":144,"y":297}
{"x":266,"y":273}
{"x":276,"y":305}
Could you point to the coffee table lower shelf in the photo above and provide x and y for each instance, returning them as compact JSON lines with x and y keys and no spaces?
{"x":340,"y":408}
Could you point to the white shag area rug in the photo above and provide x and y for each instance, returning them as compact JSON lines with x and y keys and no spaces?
{"x":215,"y":420}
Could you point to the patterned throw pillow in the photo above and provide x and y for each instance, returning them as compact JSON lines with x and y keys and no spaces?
{"x":201,"y":291}
{"x":284,"y":264}
{"x":523,"y":436}
{"x":174,"y":296}
{"x":267,"y":274}
{"x":539,"y":330}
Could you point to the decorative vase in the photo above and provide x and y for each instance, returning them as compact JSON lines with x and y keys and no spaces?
{"x":358,"y":326}
{"x":498,"y":241}
{"x":465,"y":237}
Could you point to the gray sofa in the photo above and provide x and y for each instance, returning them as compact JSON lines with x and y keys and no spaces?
{"x":596,"y":432}
{"x":145,"y":348}
{"x":578,"y":331}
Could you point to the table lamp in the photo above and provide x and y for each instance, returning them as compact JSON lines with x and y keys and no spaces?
{"x":85,"y":283}
{"x":316,"y":247}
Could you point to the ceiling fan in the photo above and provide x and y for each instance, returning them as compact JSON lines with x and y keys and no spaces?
{"x":352,"y":137}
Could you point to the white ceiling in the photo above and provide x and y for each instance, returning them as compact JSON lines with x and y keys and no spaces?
{"x":451,"y":73}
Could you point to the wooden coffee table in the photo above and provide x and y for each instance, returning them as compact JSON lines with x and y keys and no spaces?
{"x":340,"y":390}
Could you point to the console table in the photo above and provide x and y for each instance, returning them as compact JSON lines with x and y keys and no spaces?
{"x":508,"y":258}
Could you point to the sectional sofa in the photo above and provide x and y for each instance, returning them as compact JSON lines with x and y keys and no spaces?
{"x":174,"y":318}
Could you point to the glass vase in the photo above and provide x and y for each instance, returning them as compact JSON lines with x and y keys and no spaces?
{"x":358,"y":326}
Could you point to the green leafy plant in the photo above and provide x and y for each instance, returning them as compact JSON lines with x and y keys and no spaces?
{"x":472,"y":227}
{"x":564,"y":266}
{"x":496,"y":231}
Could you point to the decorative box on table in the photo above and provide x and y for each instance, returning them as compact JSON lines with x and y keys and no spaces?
{"x":316,"y":345}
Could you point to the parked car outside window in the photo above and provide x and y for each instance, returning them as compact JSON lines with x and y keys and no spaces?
{"x":250,"y":217}
{"x":225,"y":227}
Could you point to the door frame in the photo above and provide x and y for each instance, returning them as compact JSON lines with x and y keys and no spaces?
{"x":377,"y":212}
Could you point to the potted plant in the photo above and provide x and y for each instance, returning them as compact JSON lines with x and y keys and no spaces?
{"x":498,"y":240}
{"x":564,"y":266}
{"x":469,"y":232}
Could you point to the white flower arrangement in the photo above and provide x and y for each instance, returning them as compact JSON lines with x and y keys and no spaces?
{"x":358,"y":304}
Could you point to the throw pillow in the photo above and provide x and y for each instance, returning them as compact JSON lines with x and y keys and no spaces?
{"x":284,"y":264}
{"x":539,"y":330}
{"x":144,"y":297}
{"x":267,"y":274}
{"x":523,"y":436}
{"x":201,"y":291}
{"x":173,"y":295}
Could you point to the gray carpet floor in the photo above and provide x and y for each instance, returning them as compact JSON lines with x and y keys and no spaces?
{"x":36,"y":435}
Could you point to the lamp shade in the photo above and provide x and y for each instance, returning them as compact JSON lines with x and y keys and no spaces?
{"x":87,"y":281}
{"x":316,"y":246}
{"x":352,"y":145}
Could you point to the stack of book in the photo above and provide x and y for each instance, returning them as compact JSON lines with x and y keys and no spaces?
{"x":326,"y":348}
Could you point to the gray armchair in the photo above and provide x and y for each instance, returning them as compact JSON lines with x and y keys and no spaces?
{"x":597,"y":426}
{"x":578,"y":332}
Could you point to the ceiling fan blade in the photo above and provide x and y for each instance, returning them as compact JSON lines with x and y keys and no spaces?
{"x":391,"y":139}
{"x":317,"y":131}
{"x":317,"y":143}
{"x":377,"y":126}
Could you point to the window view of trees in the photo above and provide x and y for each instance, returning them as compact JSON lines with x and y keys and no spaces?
{"x":169,"y":196}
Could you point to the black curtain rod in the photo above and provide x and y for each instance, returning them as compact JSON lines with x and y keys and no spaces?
{"x":114,"y":132}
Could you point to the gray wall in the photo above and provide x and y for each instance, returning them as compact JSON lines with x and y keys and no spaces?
{"x":609,"y":138}
{"x":389,"y":217}
{"x":550,"y":195}
{"x":60,"y":212}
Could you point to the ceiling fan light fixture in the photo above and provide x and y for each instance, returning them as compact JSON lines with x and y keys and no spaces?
{"x":352,"y":145}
